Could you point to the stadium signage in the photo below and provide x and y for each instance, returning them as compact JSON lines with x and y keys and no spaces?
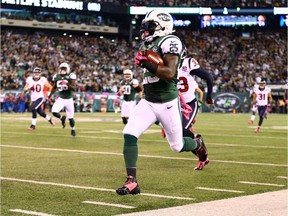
{"x":59,"y":4}
{"x":226,"y":102}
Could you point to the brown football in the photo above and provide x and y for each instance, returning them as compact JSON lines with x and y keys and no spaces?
{"x":153,"y":57}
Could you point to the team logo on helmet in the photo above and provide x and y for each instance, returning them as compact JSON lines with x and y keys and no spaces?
{"x":164,"y":17}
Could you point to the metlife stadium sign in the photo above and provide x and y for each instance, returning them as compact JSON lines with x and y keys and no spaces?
{"x":57,"y":4}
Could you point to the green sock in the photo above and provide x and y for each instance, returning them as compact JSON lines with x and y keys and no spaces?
{"x":189,"y":144}
{"x":72,"y":122}
{"x":130,"y":150}
{"x":57,"y":115}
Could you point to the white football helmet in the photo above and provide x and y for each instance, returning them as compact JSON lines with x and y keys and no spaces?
{"x":156,"y":23}
{"x":37,"y":73}
{"x":128,"y":74}
{"x":64,"y":69}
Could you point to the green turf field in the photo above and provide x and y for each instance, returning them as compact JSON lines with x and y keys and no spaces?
{"x":47,"y":171}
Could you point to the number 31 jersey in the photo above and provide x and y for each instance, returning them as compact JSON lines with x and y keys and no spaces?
{"x":61,"y":84}
{"x":262,"y":96}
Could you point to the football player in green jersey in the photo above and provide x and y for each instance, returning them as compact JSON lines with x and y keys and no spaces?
{"x":129,"y":87}
{"x":160,"y":101}
{"x":64,"y":83}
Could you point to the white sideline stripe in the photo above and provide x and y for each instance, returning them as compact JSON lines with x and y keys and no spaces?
{"x":90,"y":188}
{"x":30,"y":212}
{"x":259,"y":183}
{"x":217,"y":189}
{"x":144,"y":140}
{"x":249,"y":146}
{"x":283,"y":177}
{"x":109,"y":204}
{"x":146,"y":156}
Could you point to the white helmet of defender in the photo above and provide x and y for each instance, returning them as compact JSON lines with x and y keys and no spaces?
{"x":37,"y":72}
{"x":128,"y":74}
{"x":64,"y":69}
{"x":156,"y":23}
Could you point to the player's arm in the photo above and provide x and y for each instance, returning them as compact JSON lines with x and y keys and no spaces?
{"x":72,"y":85}
{"x":200,"y":72}
{"x":120,"y":91}
{"x":270,"y":99}
{"x":200,"y":93}
{"x":138,"y":89}
{"x":50,"y":87}
{"x":26,"y":88}
{"x":254,"y":98}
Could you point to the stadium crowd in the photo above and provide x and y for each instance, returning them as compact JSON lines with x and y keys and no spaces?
{"x":98,"y":62}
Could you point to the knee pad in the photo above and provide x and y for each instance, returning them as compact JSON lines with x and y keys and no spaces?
{"x":176,"y":147}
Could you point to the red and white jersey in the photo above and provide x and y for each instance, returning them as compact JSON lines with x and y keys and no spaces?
{"x":186,"y":82}
{"x":262,"y":96}
{"x":36,"y":87}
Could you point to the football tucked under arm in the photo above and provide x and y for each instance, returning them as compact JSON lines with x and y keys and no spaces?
{"x":153,"y":57}
{"x":149,"y":60}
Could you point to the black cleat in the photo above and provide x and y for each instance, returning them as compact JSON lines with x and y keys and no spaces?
{"x":201,"y":151}
{"x":130,"y":187}
{"x":63,"y":119}
{"x":73,"y":133}
{"x":31,"y":128}
{"x":52,"y":122}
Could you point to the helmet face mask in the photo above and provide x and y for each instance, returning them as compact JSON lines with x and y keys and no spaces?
{"x":36,"y":73}
{"x":64,"y":69}
{"x":262,"y":84}
{"x":156,"y":24}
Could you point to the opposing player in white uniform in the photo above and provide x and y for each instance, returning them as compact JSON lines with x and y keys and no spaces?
{"x":36,"y":85}
{"x":188,"y":68}
{"x":254,"y":106}
{"x":129,"y":87}
{"x":263,"y":98}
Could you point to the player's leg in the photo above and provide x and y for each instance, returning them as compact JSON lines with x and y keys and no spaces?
{"x":125,"y":112}
{"x":141,"y":118}
{"x":41,"y":112}
{"x":252,"y":118}
{"x":261,"y":111}
{"x":69,"y":107}
{"x":34,"y":106}
{"x":187,"y":123}
{"x":56,"y":108}
{"x":172,"y":123}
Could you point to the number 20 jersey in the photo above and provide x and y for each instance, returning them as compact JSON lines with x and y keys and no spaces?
{"x":155,"y":89}
{"x":57,"y":80}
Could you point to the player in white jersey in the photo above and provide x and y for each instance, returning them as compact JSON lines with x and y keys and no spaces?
{"x":263,"y":98}
{"x":254,"y":106}
{"x":36,"y":85}
{"x":188,"y":86}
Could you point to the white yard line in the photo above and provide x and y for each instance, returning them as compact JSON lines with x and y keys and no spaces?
{"x":259,"y":183}
{"x":144,"y":140}
{"x":90,"y":188}
{"x":146,"y":156}
{"x":109,"y":204}
{"x":30,"y":212}
{"x":282,"y":177}
{"x":218,"y":189}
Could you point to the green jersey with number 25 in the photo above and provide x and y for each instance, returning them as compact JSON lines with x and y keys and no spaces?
{"x":155,"y":89}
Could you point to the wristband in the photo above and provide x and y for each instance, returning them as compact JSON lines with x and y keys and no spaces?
{"x":152,"y":68}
